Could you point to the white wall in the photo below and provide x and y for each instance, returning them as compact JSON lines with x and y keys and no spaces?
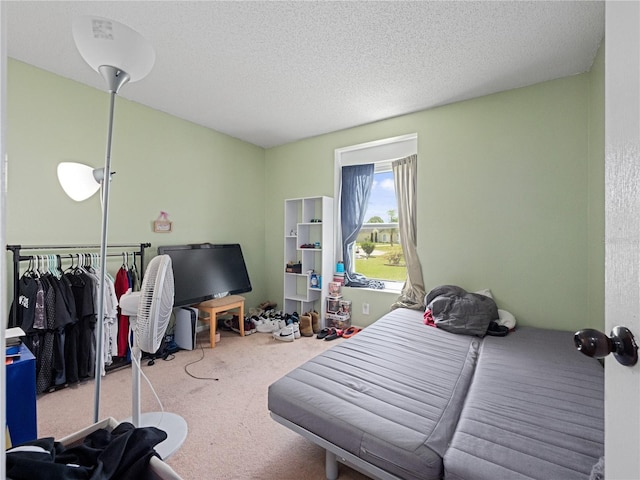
{"x":622,"y":277}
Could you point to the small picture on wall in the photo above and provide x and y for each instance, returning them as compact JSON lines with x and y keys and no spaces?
{"x":162,"y":224}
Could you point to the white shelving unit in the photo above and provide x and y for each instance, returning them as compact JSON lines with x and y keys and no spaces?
{"x":308,"y":221}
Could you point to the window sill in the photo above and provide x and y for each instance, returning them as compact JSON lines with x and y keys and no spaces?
{"x":394,"y":287}
{"x":390,"y":287}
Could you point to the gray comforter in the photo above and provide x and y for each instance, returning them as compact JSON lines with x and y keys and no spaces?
{"x":458,"y":311}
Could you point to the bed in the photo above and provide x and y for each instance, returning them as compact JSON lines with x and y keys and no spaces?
{"x":539,"y":415}
{"x":404,"y":400}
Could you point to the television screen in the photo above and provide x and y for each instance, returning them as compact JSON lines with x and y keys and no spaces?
{"x":205,"y":271}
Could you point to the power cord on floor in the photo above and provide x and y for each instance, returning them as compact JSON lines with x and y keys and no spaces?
{"x":196,"y":361}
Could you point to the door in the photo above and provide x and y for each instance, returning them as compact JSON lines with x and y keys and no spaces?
{"x":622,"y":233}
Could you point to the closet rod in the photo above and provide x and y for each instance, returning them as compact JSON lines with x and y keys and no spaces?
{"x":24,"y":258}
{"x":17,"y":258}
{"x":58,"y":247}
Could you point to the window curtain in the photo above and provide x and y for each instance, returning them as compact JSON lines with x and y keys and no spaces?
{"x":357,"y":181}
{"x":405,"y":179}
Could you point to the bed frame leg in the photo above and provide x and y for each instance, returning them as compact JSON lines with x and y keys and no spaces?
{"x":331,"y":466}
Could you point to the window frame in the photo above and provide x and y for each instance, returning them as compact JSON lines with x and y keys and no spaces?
{"x":381,"y":153}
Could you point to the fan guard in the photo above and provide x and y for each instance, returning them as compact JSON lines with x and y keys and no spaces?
{"x":155,"y":304}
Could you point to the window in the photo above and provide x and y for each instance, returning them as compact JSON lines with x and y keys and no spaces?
{"x":378,"y":254}
{"x":376,"y":251}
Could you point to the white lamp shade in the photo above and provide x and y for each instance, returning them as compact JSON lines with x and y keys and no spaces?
{"x":77,"y":180}
{"x":101,"y":41}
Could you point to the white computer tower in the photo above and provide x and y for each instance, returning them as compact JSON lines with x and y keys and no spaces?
{"x":187,"y":326}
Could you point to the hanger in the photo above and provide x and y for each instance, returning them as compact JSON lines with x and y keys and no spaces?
{"x":134,"y":273}
{"x":91,"y":262}
{"x":38,"y":271}
{"x":81,"y":262}
{"x":29,"y":272}
{"x":46,"y":260}
{"x":51,"y":265}
{"x":56,"y":263}
{"x":72,"y":266}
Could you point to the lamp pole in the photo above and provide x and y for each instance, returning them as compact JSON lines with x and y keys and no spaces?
{"x":103,"y":44}
{"x":115,"y":78}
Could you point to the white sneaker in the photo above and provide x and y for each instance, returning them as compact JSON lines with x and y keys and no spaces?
{"x":285,"y":335}
{"x":267,"y":326}
{"x":255,"y":322}
{"x":296,"y":329}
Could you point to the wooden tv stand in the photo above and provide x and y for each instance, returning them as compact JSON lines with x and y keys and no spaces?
{"x":218,"y":306}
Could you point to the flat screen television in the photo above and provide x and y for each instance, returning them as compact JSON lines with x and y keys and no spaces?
{"x":204,"y":271}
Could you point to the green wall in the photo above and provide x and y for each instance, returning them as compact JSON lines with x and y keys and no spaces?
{"x":511,"y":188}
{"x":210,"y":184}
{"x":505,"y":199}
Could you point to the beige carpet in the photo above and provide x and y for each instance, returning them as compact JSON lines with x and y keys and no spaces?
{"x":231,"y":435}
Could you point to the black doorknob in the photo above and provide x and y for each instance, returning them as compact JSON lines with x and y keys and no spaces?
{"x":620,"y":342}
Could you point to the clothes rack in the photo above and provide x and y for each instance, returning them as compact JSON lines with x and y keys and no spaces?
{"x":19,"y":256}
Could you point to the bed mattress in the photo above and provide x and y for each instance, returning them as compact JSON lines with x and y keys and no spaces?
{"x":391,"y":395}
{"x":535,"y":410}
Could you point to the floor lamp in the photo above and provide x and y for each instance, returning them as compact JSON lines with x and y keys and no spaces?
{"x":120,"y":55}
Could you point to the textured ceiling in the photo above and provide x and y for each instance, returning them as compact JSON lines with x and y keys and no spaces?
{"x":274,"y":72}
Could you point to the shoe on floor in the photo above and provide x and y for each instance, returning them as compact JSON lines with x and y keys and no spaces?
{"x":293,"y":318}
{"x":335,"y":334}
{"x":315,"y":321}
{"x":350,"y":332}
{"x":267,"y":326}
{"x":233,"y":324}
{"x":256,"y":322}
{"x":249,"y":327}
{"x":306,"y":330}
{"x":285,"y":335}
{"x":296,"y":329}
{"x":268,"y":305}
{"x":324,"y":332}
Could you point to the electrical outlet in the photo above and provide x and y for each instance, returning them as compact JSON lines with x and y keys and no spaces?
{"x":365,"y":309}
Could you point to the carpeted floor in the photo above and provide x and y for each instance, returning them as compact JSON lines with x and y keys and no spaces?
{"x":231,"y":435}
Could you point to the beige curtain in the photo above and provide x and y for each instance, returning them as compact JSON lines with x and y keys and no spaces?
{"x":405,"y":178}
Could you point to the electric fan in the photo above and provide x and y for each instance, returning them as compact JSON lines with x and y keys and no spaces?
{"x":149,"y":311}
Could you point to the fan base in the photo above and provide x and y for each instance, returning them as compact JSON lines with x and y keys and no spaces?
{"x":173,"y":425}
